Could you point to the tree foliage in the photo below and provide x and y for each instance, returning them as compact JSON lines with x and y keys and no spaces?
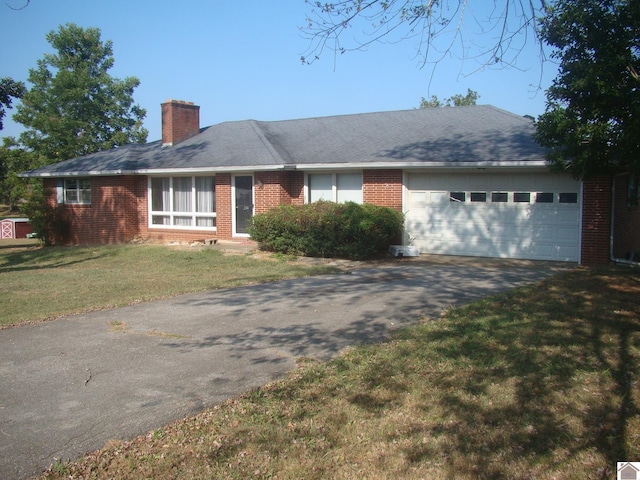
{"x":9,"y":89}
{"x":487,"y":34}
{"x":14,"y":160}
{"x":592,"y":121}
{"x":457,"y":100}
{"x":74,"y":106}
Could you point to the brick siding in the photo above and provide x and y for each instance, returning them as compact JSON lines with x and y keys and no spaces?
{"x":278,"y":188}
{"x":180,"y":120}
{"x":113,"y":215}
{"x":596,"y":221}
{"x":383,"y":188}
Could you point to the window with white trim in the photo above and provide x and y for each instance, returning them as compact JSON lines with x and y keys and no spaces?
{"x":77,"y":191}
{"x":182,"y":202}
{"x":334,"y":187}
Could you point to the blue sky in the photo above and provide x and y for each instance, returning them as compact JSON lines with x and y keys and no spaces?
{"x":241,"y":60}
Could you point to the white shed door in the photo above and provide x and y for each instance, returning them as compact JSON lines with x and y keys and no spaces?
{"x":529,"y":216}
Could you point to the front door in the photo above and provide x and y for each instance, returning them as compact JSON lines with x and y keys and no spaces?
{"x":243,"y":202}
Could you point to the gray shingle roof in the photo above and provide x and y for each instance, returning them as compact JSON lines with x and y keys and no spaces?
{"x":475,"y":135}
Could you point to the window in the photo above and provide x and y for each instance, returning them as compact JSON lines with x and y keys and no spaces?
{"x":457,"y":197}
{"x":544,"y":197}
{"x":568,"y":198}
{"x":522,"y":197}
{"x":499,"y":197}
{"x":478,"y":196}
{"x":335,"y":187}
{"x":633,"y":192}
{"x":183,"y":202}
{"x":77,"y":190}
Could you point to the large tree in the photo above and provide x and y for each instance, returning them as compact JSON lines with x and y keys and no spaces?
{"x":487,"y":33}
{"x":9,"y":90}
{"x":74,"y":106}
{"x":592,"y":121}
{"x":457,"y":100}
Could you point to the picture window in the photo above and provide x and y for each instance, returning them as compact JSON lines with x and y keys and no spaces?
{"x":183,"y":202}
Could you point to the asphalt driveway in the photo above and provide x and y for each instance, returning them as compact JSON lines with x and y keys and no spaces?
{"x":69,"y":385}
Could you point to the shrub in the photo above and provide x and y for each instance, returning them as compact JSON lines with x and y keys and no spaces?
{"x":47,"y":221}
{"x":327,"y":229}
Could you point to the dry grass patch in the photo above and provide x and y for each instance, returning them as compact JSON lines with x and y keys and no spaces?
{"x":540,"y":382}
{"x":42,"y":283}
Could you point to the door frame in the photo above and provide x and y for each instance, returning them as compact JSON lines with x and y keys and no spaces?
{"x":234,"y":231}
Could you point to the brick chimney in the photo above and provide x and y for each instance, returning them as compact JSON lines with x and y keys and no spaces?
{"x":180,"y":120}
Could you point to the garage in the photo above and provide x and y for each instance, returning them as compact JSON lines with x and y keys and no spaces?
{"x":528,"y":215}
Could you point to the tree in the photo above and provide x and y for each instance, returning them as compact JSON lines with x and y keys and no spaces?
{"x":14,"y":160}
{"x":592,"y":120}
{"x":457,"y":100}
{"x":74,"y":106}
{"x":9,"y":89}
{"x":440,"y":28}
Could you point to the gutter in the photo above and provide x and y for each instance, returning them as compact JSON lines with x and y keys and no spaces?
{"x":533,"y":165}
{"x":152,"y":171}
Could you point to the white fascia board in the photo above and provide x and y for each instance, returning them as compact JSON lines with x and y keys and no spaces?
{"x":422,"y":165}
{"x":153,"y":171}
{"x":101,"y":173}
{"x":193,"y":171}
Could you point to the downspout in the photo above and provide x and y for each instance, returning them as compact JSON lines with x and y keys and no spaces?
{"x":618,"y":261}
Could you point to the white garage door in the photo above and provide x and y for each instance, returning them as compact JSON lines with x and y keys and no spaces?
{"x":529,"y":216}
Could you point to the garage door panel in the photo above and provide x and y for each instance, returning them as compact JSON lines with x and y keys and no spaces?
{"x":547,"y":231}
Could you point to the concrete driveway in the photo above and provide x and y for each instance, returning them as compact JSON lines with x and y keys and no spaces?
{"x":69,"y":385}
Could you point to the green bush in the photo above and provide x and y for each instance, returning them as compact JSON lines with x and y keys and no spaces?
{"x":47,"y":221}
{"x":327,"y":229}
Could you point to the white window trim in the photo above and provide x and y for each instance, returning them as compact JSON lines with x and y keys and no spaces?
{"x":171,"y":213}
{"x":334,"y":184}
{"x":61,"y":193}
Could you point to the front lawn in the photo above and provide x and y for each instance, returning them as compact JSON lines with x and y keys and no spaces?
{"x":540,"y":382}
{"x":37,"y":284}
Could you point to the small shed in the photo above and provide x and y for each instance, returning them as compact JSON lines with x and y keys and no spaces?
{"x":15,"y":228}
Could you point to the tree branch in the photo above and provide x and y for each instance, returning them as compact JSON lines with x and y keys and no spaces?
{"x":21,"y":8}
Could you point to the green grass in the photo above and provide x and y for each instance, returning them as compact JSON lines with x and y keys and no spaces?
{"x":540,"y":382}
{"x":37,"y":284}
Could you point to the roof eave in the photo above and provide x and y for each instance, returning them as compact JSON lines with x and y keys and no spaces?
{"x":424,"y":165}
{"x":154,"y":171}
{"x":537,"y":164}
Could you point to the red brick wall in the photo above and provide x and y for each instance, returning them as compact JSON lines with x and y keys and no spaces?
{"x":626,"y":224}
{"x":180,"y":120}
{"x":223,"y":206}
{"x":596,"y":221}
{"x":383,"y":188}
{"x":112,"y":217}
{"x":277,"y":188}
